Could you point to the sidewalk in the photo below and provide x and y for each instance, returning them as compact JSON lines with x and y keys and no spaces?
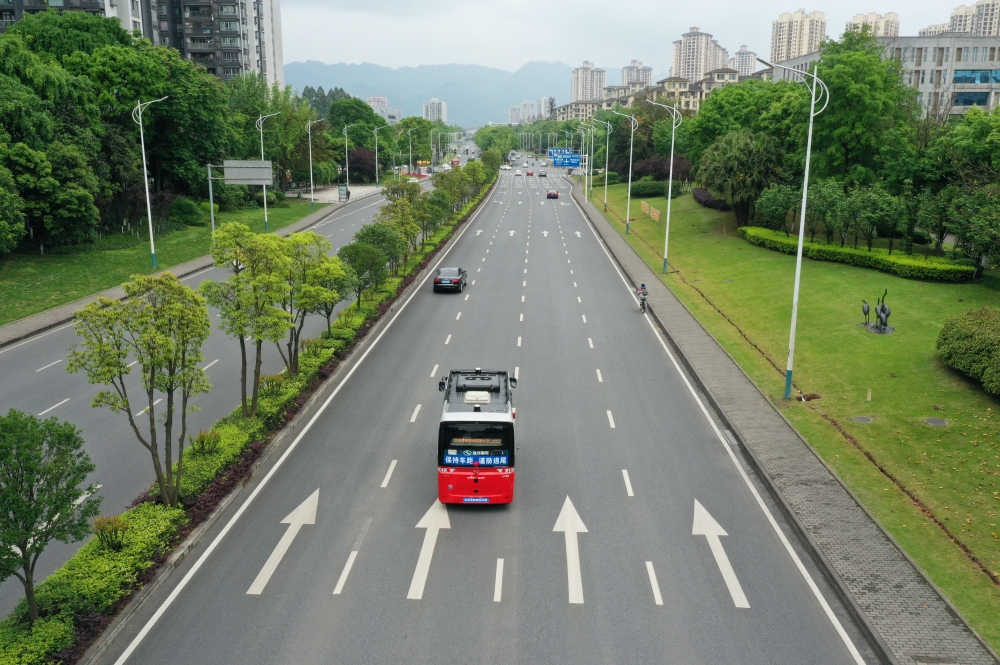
{"x":51,"y":318}
{"x":332,"y":194}
{"x":905,"y":615}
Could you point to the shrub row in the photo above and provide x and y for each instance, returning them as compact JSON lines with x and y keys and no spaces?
{"x":704,"y":198}
{"x":970,"y":343}
{"x":912,"y":267}
{"x":80,"y":599}
{"x":646,"y":188}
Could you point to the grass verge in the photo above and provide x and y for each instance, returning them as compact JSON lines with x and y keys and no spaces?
{"x":33,"y":284}
{"x":936,"y":490}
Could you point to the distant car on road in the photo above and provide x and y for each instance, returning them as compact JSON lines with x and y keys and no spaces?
{"x":525,"y":165}
{"x":517,"y":172}
{"x":552,"y":194}
{"x":545,"y":163}
{"x":452,"y":279}
{"x":531,"y":172}
{"x":543,"y":174}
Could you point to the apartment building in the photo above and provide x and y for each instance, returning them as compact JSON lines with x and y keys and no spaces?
{"x":636,"y":72}
{"x":936,"y":29}
{"x":545,"y":106}
{"x":527,"y":111}
{"x":134,"y":15}
{"x":380,"y":104}
{"x":581,"y":110}
{"x":697,"y":53}
{"x":435,"y":110}
{"x":744,"y":61}
{"x":588,"y":82}
{"x":796,"y":33}
{"x":878,"y":25}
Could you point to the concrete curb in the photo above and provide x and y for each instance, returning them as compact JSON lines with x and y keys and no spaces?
{"x":874,"y":637}
{"x":118,"y":625}
{"x":22,"y":329}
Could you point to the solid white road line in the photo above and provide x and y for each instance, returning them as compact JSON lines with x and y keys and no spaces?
{"x":28,"y":341}
{"x":447,"y":339}
{"x":49,"y":365}
{"x":657,"y":598}
{"x":600,"y":379}
{"x":209,"y":364}
{"x":388,"y":474}
{"x":628,"y":483}
{"x":459,"y":316}
{"x":413,"y":418}
{"x":161,"y":610}
{"x":344,"y":573}
{"x":132,"y":363}
{"x":519,"y":341}
{"x":611,"y":419}
{"x":53,"y":406}
{"x":591,"y":342}
{"x":834,"y":621}
{"x":498,"y":585}
{"x":145,"y":409}
{"x":434,"y":371}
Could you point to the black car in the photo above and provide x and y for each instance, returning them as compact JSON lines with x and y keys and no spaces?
{"x":450,"y":278}
{"x":552,"y":194}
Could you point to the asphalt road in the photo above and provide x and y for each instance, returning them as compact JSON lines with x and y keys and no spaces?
{"x":315,"y":564}
{"x":35,"y":381}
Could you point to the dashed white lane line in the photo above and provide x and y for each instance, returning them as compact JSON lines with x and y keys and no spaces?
{"x":522,"y":317}
{"x":447,"y":339}
{"x":574,"y":285}
{"x":600,"y":379}
{"x":628,"y":482}
{"x":353,"y":555}
{"x":459,"y":316}
{"x":525,"y":270}
{"x":498,"y":585}
{"x":479,"y":269}
{"x":53,"y":406}
{"x":392,"y":465}
{"x":571,"y":271}
{"x":473,"y":282}
{"x":611,"y":419}
{"x":522,"y":298}
{"x":657,"y":598}
{"x":145,"y":409}
{"x":434,"y":371}
{"x":466,"y":296}
{"x":584,"y":317}
{"x":132,"y":363}
{"x":413,"y":418}
{"x":578,"y":299}
{"x":516,"y":371}
{"x":49,"y":365}
{"x":591,"y":342}
{"x":519,"y":341}
{"x":524,"y":283}
{"x":209,"y":364}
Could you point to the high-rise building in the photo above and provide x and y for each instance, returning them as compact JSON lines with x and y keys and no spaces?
{"x":744,"y":61}
{"x":527,"y":111}
{"x":796,"y":33}
{"x":435,"y":110}
{"x":933,"y":30}
{"x":380,"y":104}
{"x":545,"y":106}
{"x":588,"y":82}
{"x":514,"y":115}
{"x":696,"y":53}
{"x":637,"y":73}
{"x":961,"y":19}
{"x":878,"y":25}
{"x":132,"y":14}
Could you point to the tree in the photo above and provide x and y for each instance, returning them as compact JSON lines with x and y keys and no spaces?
{"x":42,"y":465}
{"x":934,"y":213}
{"x":824,"y":197}
{"x":11,"y":215}
{"x":305,"y":252}
{"x":403,"y":189}
{"x":383,"y":236}
{"x":162,"y":325}
{"x":248,"y":300}
{"x":976,"y":223}
{"x":63,"y":34}
{"x":367,"y":265}
{"x":401,"y":216}
{"x":776,"y":207}
{"x":742,"y":165}
{"x":326,"y":287}
{"x":492,"y":159}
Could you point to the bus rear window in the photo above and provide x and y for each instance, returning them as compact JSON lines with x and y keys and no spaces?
{"x":476,"y":444}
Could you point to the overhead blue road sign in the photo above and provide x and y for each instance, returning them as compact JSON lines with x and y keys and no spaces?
{"x":571,"y":160}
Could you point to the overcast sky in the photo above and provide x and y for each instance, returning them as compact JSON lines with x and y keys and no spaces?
{"x":508,"y":33}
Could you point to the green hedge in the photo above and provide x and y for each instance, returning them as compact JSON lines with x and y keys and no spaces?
{"x":970,"y":343}
{"x":96,"y":579}
{"x":913,"y":267}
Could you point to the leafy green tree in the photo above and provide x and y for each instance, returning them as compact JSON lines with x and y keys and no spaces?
{"x":776,"y":207}
{"x":492,"y":159}
{"x":305,"y":252}
{"x":42,"y":467}
{"x":64,"y":33}
{"x":384,"y":236}
{"x":11,"y":213}
{"x":976,"y":223}
{"x":403,"y":189}
{"x":161,"y":325}
{"x":367,"y":266}
{"x":248,"y":301}
{"x":742,"y":165}
{"x":501,"y":138}
{"x":327,"y":285}
{"x":320,"y":101}
{"x":32,"y":179}
{"x":401,"y":216}
{"x":934,"y":213}
{"x":824,"y":197}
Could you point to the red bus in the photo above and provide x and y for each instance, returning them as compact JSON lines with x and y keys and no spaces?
{"x":476,"y":437}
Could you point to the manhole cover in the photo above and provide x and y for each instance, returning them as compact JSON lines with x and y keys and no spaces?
{"x":936,"y":422}
{"x":861,"y":419}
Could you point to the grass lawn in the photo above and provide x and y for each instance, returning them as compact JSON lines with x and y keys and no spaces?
{"x":32,"y":284}
{"x":953,"y":470}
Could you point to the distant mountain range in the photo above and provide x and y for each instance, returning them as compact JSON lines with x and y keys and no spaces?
{"x":475,"y":95}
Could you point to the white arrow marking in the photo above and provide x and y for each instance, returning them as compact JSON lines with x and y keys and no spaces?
{"x":570,"y":523}
{"x":304,"y":514}
{"x":577,"y":234}
{"x":545,"y":233}
{"x":480,"y":230}
{"x":512,"y":232}
{"x":705,"y":525}
{"x":435,"y":519}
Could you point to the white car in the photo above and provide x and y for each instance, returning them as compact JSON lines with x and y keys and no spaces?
{"x":525,"y":165}
{"x":517,"y":172}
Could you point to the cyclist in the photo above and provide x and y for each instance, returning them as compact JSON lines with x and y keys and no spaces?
{"x":642,"y":293}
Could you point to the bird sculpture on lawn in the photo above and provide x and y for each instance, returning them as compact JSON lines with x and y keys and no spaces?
{"x":866,"y":309}
{"x":882,"y":311}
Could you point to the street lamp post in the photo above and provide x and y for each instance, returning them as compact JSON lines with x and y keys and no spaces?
{"x":409,"y":134}
{"x":260,"y":128}
{"x":376,"y":153}
{"x":430,"y":135}
{"x":137,"y":116}
{"x":583,"y":151}
{"x":312,"y":191}
{"x":628,"y":201}
{"x":675,"y":123}
{"x":819,"y":91}
{"x":347,"y":161}
{"x":607,"y":146}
